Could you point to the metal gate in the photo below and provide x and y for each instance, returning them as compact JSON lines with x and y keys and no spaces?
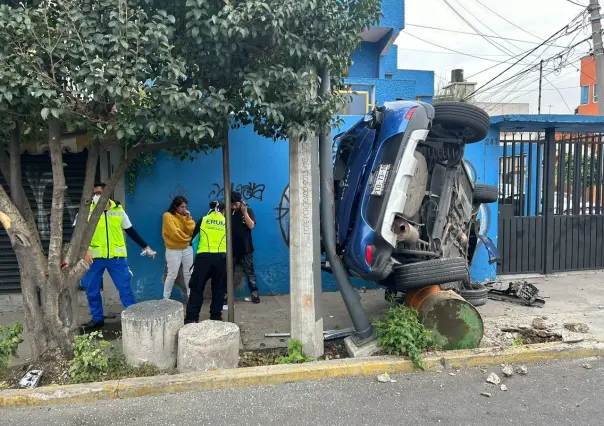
{"x":551,"y":215}
{"x":37,"y":182}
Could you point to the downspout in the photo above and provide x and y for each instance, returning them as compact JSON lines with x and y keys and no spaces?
{"x":352,"y":300}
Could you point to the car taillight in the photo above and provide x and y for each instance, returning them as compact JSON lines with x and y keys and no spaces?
{"x":368,"y":254}
{"x":410,"y":113}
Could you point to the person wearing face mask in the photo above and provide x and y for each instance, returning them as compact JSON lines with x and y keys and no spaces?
{"x":107,"y":251}
{"x":210,"y":263}
{"x":177,"y":232}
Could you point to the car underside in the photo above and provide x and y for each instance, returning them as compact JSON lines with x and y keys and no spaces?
{"x":406,"y":205}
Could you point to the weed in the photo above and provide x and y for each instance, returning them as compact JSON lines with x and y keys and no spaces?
{"x":95,"y":360}
{"x":295,"y":354}
{"x":10,"y":338}
{"x":401,"y":333}
{"x":519,"y":341}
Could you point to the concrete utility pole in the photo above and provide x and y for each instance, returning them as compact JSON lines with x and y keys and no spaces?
{"x":596,"y":28}
{"x":304,"y":246}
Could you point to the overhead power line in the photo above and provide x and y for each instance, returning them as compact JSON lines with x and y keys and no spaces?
{"x":563,"y":29}
{"x":575,"y":3}
{"x":498,"y":46}
{"x":459,"y":52}
{"x":507,"y":20}
{"x":477,"y":35}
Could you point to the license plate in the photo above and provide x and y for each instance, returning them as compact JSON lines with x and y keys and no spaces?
{"x":380,"y":181}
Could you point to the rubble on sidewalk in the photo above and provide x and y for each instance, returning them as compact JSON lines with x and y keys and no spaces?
{"x":507,"y":371}
{"x":522,"y":370}
{"x":493,"y":379}
{"x":577,"y":327}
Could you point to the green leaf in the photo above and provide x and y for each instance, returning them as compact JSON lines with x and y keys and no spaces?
{"x":45,"y":113}
{"x":120,"y":134}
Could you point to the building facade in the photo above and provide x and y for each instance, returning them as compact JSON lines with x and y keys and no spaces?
{"x":589,"y":88}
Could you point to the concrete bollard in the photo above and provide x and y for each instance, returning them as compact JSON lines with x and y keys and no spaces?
{"x":150,"y":333}
{"x":209,"y":345}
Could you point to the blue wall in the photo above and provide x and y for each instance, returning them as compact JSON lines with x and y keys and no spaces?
{"x":259,"y":169}
{"x":482,"y":159}
{"x":365,"y":61}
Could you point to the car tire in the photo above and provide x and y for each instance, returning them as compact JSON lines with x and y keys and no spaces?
{"x":430,"y":272}
{"x":485,"y":194}
{"x":477,"y":294}
{"x":463,"y":120}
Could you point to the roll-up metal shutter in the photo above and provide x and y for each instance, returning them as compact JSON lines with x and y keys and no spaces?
{"x":37,"y":182}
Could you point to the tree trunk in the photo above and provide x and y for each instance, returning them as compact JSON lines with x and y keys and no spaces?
{"x":49,"y":287}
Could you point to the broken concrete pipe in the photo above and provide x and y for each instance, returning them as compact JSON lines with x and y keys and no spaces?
{"x":454,"y":322}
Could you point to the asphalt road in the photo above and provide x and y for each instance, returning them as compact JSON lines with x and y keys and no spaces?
{"x":561,"y":393}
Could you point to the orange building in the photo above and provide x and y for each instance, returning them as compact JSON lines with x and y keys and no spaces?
{"x":589,"y":94}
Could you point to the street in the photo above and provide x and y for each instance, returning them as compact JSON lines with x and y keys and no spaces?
{"x":560,"y":393}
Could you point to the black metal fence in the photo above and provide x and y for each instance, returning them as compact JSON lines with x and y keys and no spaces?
{"x":551,"y":213}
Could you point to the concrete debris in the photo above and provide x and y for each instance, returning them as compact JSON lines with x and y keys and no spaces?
{"x":452,"y":374}
{"x":493,"y":379}
{"x":507,"y":371}
{"x":539,"y":324}
{"x":487,"y":394}
{"x":504,"y":388}
{"x":568,"y":337}
{"x":522,"y":370}
{"x":484,"y":370}
{"x":587,"y":366}
{"x":577,"y":327}
{"x":384,"y":378}
{"x":542,"y":333}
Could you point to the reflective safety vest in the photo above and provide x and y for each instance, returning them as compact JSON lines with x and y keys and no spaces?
{"x":212,"y":234}
{"x":108,"y":240}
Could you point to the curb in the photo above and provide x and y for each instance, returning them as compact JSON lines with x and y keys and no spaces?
{"x":279,"y":374}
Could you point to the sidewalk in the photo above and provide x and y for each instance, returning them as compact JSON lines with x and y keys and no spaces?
{"x":574,"y":297}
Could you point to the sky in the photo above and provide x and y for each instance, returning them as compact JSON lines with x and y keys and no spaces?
{"x":537,"y":19}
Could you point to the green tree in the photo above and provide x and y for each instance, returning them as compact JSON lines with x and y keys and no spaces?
{"x":213,"y":64}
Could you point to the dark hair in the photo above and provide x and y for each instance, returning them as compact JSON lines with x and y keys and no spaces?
{"x":236,"y":197}
{"x":177,"y":202}
{"x":214,"y":204}
{"x":101,"y":184}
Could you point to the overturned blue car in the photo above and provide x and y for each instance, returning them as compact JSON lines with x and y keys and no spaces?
{"x":406,"y":206}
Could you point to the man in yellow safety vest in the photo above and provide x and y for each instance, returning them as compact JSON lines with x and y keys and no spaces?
{"x":210,"y":263}
{"x":107,"y":251}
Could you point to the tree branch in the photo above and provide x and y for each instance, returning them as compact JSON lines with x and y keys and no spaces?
{"x":55,"y":248}
{"x":8,"y":167}
{"x":78,"y":234}
{"x":117,"y":175}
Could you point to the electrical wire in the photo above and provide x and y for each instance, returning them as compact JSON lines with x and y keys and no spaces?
{"x":561,"y":97}
{"x":459,"y":52}
{"x":507,"y":20}
{"x":476,"y":35}
{"x":575,"y":3}
{"x":498,"y":46}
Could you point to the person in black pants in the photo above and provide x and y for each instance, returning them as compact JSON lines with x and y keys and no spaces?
{"x":243,"y":222}
{"x":210,"y":263}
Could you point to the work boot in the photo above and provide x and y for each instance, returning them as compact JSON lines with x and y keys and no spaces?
{"x":255,"y":297}
{"x":91,"y":326}
{"x":216,"y":317}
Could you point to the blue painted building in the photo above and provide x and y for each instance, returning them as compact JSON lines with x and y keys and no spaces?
{"x":259,"y":168}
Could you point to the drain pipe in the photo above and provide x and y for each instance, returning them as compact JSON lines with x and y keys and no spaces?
{"x":363,"y":330}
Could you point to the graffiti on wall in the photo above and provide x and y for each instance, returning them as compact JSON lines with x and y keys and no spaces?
{"x":283,"y":215}
{"x":249,"y":191}
{"x":178,"y":191}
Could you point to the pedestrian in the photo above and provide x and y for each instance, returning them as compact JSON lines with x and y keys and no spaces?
{"x":243,"y":221}
{"x":210,"y":263}
{"x":177,"y":232}
{"x":107,"y":251}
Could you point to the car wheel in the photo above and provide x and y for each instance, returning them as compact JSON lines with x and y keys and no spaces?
{"x":476,"y":294}
{"x":462,"y":120}
{"x":430,"y":272}
{"x":485,"y":194}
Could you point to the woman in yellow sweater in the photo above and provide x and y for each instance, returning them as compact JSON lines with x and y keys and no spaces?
{"x":177,"y":230}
